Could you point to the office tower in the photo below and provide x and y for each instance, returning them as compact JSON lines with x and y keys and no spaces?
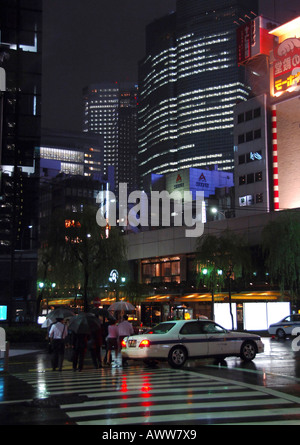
{"x":157,"y":112}
{"x":110,"y":109}
{"x":20,"y":62}
{"x":189,"y":84}
{"x":127,"y":151}
{"x":72,"y":153}
{"x":20,"y":49}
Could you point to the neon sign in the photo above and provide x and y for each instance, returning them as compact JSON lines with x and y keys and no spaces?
{"x":286,"y":68}
{"x":255,"y":156}
{"x":113,"y":276}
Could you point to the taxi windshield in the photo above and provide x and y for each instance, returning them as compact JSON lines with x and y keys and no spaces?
{"x":161,"y":328}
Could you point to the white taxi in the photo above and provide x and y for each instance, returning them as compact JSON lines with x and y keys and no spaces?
{"x":289,"y":325}
{"x":177,"y":341}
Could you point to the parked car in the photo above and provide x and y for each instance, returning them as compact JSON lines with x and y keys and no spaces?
{"x":177,"y":341}
{"x":286,"y":327}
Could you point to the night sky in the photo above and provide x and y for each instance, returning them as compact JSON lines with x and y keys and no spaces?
{"x":89,"y":41}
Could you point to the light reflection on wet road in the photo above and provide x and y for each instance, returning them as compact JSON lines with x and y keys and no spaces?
{"x":266,"y":390}
{"x":278,"y":367}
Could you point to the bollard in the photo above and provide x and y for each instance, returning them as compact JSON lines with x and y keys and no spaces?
{"x":4,"y":347}
{"x":6,"y":357}
{"x":2,"y":339}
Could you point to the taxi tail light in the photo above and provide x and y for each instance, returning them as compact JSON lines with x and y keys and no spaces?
{"x":123,"y":343}
{"x":145,"y":343}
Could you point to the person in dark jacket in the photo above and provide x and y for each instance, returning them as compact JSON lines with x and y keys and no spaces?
{"x":79,"y":348}
{"x":94,"y":343}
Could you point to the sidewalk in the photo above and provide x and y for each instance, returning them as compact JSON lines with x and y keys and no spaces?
{"x":17,"y":352}
{"x":23,"y":348}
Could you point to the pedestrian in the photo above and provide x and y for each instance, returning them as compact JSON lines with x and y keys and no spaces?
{"x":57,"y":335}
{"x":104,"y":326}
{"x":79,"y":342}
{"x":94,"y":345}
{"x":125,"y":329}
{"x":112,"y":341}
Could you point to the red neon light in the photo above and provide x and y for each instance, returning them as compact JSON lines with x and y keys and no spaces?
{"x":275,"y":159}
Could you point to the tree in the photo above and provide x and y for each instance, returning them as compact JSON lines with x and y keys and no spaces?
{"x":208,"y":265}
{"x":80,"y":254}
{"x":281,"y":247}
{"x":225,"y":258}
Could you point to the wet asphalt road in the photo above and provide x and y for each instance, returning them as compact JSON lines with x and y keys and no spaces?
{"x":27,"y":397}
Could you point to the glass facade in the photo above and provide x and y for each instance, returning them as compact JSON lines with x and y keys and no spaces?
{"x":161,"y":270}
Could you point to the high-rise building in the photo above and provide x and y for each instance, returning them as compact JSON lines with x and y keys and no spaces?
{"x":20,"y":119}
{"x":20,"y":116}
{"x":20,"y":56}
{"x":267,"y":135}
{"x":127,"y":129}
{"x":20,"y":60}
{"x":157,"y":111}
{"x":78,"y":153}
{"x":110,"y":109}
{"x":189,"y":84}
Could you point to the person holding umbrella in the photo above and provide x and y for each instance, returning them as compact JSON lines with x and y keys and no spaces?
{"x":79,"y":342}
{"x":82,"y":326}
{"x":57,"y":335}
{"x":94,"y":345}
{"x":125,"y":330}
{"x":112,"y":340}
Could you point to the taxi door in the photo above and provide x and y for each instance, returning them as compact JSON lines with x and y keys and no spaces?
{"x":193,"y":338}
{"x":217,"y":339}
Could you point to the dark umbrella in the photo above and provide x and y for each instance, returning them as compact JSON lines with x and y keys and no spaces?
{"x":60,"y":312}
{"x":103,"y":313}
{"x":100,"y":311}
{"x":84,"y":323}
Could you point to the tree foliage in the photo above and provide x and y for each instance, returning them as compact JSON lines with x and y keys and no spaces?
{"x":281,"y":247}
{"x":79,"y":255}
{"x":224,"y":257}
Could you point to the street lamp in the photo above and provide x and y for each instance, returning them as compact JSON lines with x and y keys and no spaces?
{"x":43,"y":286}
{"x":215,"y":211}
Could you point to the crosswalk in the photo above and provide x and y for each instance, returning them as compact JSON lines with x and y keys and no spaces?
{"x":161,"y":396}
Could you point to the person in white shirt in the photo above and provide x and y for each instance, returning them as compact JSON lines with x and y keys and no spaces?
{"x":125,"y":329}
{"x":57,"y":334}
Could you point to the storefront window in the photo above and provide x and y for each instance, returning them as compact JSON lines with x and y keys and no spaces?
{"x":162,"y":270}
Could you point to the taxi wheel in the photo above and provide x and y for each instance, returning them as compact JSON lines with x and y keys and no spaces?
{"x":248,"y":351}
{"x":280,"y":334}
{"x":177,"y":356}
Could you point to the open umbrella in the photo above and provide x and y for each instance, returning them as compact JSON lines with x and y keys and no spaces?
{"x":47,"y":323}
{"x":101,"y":312}
{"x":121,"y":306}
{"x":84,"y":323}
{"x":60,"y":312}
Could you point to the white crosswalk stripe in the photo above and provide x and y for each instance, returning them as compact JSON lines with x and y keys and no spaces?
{"x":162,"y":396}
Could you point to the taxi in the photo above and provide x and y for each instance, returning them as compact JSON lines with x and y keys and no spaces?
{"x":289,"y":325}
{"x":179,"y":340}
